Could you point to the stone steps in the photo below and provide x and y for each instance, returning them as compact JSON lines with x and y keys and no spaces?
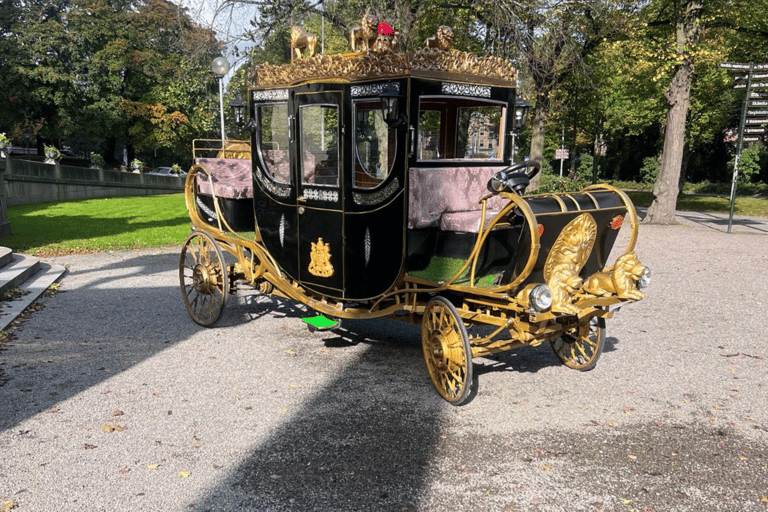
{"x":28,"y":274}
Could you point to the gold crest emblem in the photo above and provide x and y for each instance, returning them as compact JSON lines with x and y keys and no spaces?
{"x":320,"y":259}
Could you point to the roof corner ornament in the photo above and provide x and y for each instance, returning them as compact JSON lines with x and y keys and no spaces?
{"x":303,"y":44}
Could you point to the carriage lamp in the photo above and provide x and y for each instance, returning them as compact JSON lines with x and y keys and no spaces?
{"x":390,"y":105}
{"x":521,"y":113}
{"x":541,"y":298}
{"x":238,"y":105}
{"x":645,"y":278}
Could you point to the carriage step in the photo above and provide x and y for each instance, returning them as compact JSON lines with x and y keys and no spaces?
{"x":321,"y":323}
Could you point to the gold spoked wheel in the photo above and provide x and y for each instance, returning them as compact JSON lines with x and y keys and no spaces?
{"x":447,"y":351}
{"x":203,"y":277}
{"x":580,"y":347}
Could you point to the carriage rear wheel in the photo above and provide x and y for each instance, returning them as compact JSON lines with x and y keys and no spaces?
{"x":580,"y":348}
{"x":447,"y":351}
{"x":203,"y":278}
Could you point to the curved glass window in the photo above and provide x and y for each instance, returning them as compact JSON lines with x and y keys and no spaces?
{"x":320,"y":144}
{"x":375,"y":145}
{"x":273,"y":142}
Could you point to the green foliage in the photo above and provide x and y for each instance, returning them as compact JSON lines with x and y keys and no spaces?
{"x":553,"y":183}
{"x":753,"y":159}
{"x":72,"y":75}
{"x":650,"y":170}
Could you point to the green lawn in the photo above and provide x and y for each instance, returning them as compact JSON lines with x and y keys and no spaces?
{"x":98,"y":225}
{"x":750,"y":206}
{"x":157,"y":221}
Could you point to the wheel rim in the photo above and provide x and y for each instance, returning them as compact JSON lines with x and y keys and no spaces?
{"x":204,"y":283}
{"x":580,"y":348}
{"x":446,"y":351}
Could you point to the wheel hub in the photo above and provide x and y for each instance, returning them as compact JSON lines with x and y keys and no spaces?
{"x":203,"y":279}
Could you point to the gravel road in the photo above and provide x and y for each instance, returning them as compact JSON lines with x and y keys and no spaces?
{"x":112,"y":399}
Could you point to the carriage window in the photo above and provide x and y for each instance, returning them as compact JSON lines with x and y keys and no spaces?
{"x":273,"y":124}
{"x":478,"y":132}
{"x":429,"y":134}
{"x":320,"y":144}
{"x":454,"y":128}
{"x":374,"y":145}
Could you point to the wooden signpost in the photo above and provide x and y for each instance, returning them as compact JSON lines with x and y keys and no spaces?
{"x":754,"y":112}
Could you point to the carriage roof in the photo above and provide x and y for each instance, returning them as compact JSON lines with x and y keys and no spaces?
{"x":457,"y":66}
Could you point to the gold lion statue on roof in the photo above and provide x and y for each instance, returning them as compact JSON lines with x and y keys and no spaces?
{"x":363,"y":37}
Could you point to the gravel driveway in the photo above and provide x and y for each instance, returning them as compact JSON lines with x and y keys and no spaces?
{"x":112,"y":399}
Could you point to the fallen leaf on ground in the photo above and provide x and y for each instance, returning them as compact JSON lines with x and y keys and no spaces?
{"x":8,"y":505}
{"x":152,"y":466}
{"x":117,"y":412}
{"x":87,"y":446}
{"x":184,"y":474}
{"x":112,"y":428}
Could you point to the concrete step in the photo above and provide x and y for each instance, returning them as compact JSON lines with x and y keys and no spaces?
{"x":32,"y":288}
{"x":20,"y":269}
{"x":6,"y":256}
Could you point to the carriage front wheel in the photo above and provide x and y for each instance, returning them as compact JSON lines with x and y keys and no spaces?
{"x":447,"y":351}
{"x":203,"y":278}
{"x":580,"y":347}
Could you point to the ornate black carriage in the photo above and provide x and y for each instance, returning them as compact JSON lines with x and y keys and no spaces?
{"x":380,"y":184}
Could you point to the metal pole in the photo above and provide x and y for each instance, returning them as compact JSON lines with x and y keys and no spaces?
{"x":739,"y":145}
{"x":562,"y":152}
{"x":221,"y":107}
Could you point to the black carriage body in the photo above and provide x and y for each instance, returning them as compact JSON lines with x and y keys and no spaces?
{"x":330,"y":225}
{"x":349,"y":206}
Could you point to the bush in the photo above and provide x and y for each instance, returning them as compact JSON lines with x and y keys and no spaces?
{"x":750,"y":162}
{"x":649,"y":172}
{"x":553,"y":183}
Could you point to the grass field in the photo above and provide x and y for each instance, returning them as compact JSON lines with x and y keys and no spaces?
{"x":98,"y":225}
{"x":157,"y":221}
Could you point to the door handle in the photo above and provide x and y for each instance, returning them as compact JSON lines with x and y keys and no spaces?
{"x":301,"y":199}
{"x":301,"y":210}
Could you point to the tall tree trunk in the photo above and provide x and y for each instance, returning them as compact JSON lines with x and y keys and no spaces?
{"x":538,"y":129}
{"x":678,"y":95}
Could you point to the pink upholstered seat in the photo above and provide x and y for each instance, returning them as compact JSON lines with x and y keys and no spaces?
{"x":449,"y":198}
{"x":231,"y":177}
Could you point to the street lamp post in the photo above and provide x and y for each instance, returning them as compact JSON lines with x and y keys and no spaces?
{"x":220,"y":67}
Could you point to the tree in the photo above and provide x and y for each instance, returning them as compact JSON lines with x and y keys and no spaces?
{"x":74,"y":77}
{"x":553,"y":40}
{"x":686,"y":16}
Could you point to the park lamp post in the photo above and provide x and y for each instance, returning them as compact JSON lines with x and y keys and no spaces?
{"x":220,"y":67}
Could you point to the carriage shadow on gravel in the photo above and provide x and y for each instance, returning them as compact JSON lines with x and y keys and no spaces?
{"x":366,"y":441}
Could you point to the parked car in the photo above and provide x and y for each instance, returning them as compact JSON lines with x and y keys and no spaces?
{"x":166,"y":171}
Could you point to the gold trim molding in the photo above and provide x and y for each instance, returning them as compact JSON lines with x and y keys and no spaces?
{"x":351,"y":67}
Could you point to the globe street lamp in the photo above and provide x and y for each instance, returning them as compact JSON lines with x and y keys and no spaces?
{"x":220,"y":67}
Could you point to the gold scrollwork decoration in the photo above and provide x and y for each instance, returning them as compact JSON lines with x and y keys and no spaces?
{"x":436,"y":57}
{"x":320,"y":259}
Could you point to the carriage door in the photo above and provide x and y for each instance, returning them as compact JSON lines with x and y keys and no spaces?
{"x":319,"y":196}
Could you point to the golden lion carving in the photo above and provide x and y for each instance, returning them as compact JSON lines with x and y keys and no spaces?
{"x":443,"y":40}
{"x":363,"y":37}
{"x":620,"y":279}
{"x":303,"y":43}
{"x":567,"y":257}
